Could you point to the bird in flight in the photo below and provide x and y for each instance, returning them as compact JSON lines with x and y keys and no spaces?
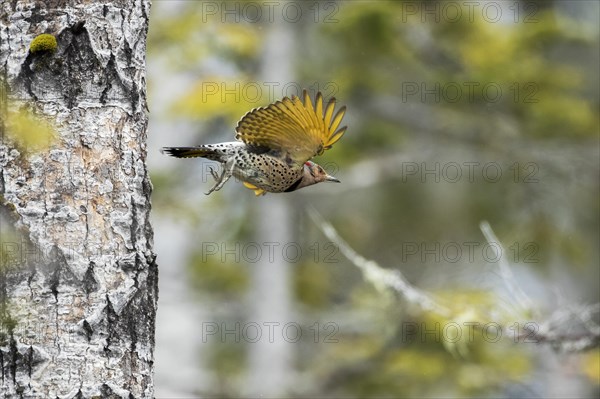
{"x":274,"y":146}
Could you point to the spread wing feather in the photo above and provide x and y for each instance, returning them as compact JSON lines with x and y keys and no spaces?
{"x":293,"y":126}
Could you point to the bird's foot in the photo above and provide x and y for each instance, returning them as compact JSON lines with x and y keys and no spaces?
{"x":220,"y":180}
{"x":218,"y":185}
{"x":213,"y":173}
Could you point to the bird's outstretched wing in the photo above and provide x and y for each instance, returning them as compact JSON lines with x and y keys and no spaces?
{"x":293,"y":127}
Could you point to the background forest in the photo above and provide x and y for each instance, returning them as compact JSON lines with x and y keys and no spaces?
{"x":458,"y":113}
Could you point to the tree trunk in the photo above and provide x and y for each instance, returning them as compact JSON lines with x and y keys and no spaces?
{"x":78,"y":291}
{"x":271,"y":363}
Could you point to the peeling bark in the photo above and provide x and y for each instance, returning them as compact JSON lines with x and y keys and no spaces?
{"x":78,"y":304}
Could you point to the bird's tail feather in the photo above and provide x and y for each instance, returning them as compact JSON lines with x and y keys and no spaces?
{"x":190,"y":152}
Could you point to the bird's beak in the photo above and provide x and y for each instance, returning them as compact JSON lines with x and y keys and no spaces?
{"x":332,"y":179}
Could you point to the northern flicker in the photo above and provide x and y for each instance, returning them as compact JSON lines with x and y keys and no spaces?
{"x":274,"y":145}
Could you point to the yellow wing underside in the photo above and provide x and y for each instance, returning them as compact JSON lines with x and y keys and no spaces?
{"x":293,"y":126}
{"x":257,"y":191}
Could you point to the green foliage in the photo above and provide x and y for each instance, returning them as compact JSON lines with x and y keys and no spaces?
{"x":312,"y":284}
{"x":27,"y":130}
{"x":546,"y":97}
{"x":213,"y":98}
{"x":43,"y":43}
{"x":591,"y":366}
{"x":227,"y":362}
{"x":218,"y":276}
{"x":393,"y":354}
{"x":190,"y":37}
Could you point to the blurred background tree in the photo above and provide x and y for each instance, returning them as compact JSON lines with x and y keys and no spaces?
{"x":458,"y":112}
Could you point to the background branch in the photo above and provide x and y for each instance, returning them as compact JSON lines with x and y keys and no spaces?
{"x":571,"y":328}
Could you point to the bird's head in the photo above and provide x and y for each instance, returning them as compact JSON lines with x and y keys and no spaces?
{"x":314,"y":173}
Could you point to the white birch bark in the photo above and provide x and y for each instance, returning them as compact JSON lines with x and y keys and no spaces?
{"x":78,"y":302}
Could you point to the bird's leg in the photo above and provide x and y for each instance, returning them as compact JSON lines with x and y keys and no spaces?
{"x":226,"y":175}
